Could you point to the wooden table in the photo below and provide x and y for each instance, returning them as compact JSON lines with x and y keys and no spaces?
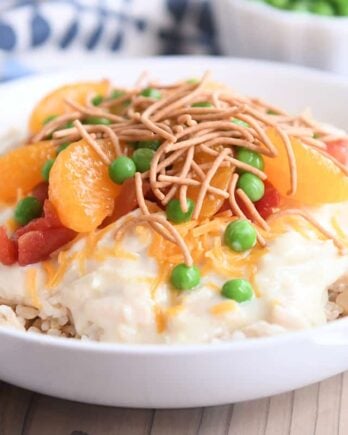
{"x":320,"y":409}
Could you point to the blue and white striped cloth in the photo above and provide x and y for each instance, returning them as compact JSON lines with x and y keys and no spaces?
{"x":45,"y":35}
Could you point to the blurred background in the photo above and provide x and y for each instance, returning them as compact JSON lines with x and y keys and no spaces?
{"x":48,"y":34}
{"x":41,"y":35}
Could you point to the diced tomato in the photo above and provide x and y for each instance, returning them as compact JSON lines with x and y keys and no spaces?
{"x":266,"y":205}
{"x":269,"y":202}
{"x":8,"y":249}
{"x":225,"y":206}
{"x":51,"y":214}
{"x":339,"y":150}
{"x":35,"y":246}
{"x":39,"y":238}
{"x":39,"y":224}
{"x":126,"y":201}
{"x":41,"y":192}
{"x":50,"y":220}
{"x":242,"y":207}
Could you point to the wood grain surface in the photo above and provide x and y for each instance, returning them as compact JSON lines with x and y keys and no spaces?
{"x":320,"y":409}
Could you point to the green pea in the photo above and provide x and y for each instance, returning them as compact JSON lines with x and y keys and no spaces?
{"x":46,"y":169}
{"x":322,"y":7}
{"x":300,"y":6}
{"x":152,"y":144}
{"x":69,"y":124}
{"x":97,"y":100}
{"x":342,"y":7}
{"x":240,"y":290}
{"x":121,"y":169}
{"x":116,"y":93}
{"x":174,"y":211}
{"x":142,"y":158}
{"x":271,"y":112}
{"x":151,"y":93}
{"x":95,"y":120}
{"x":49,"y":119}
{"x":240,"y":235}
{"x":27,"y":209}
{"x":282,"y":4}
{"x":240,"y":122}
{"x":202,"y":104}
{"x":252,"y":186}
{"x":252,"y":158}
{"x":185,"y":277}
{"x":62,"y":147}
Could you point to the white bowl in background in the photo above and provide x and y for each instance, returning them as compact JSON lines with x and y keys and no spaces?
{"x":249,"y":28}
{"x":164,"y":376}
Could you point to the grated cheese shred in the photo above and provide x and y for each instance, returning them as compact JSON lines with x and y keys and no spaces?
{"x":223,"y":307}
{"x":32,"y":287}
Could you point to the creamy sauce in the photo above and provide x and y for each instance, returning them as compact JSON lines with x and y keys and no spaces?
{"x":116,"y":299}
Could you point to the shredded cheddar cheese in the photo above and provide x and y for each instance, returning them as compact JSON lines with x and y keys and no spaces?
{"x":213,"y":286}
{"x":339,"y":231}
{"x":64,"y":262}
{"x":223,"y":307}
{"x":81,"y":261}
{"x":275,"y":302}
{"x":174,"y":310}
{"x":56,"y":268}
{"x":31,"y":283}
{"x":204,"y":240}
{"x":11,"y":225}
{"x":142,"y":233}
{"x":119,"y":252}
{"x":162,"y":276}
{"x":161,"y":320}
{"x":257,"y":291}
{"x":146,"y":280}
{"x":162,"y":315}
{"x":211,"y":227}
{"x":50,"y":270}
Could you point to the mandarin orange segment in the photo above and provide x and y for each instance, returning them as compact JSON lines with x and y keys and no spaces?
{"x":20,"y":169}
{"x":319,"y":179}
{"x":211,"y":203}
{"x":80,"y":188}
{"x":54,"y":104}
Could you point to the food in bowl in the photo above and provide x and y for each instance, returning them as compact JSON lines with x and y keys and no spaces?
{"x":319,"y":7}
{"x":247,"y":28}
{"x":177,"y":213}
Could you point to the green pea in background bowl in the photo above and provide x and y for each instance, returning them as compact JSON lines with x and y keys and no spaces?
{"x":250,"y":28}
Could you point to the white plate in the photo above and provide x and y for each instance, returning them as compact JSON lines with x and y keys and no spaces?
{"x":180,"y":376}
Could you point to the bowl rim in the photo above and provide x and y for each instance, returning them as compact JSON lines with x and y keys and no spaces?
{"x":327,"y":334}
{"x":206,"y":60}
{"x":285,"y":15}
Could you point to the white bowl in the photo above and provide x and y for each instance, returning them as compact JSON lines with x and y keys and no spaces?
{"x":250,"y":28}
{"x":180,"y":376}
